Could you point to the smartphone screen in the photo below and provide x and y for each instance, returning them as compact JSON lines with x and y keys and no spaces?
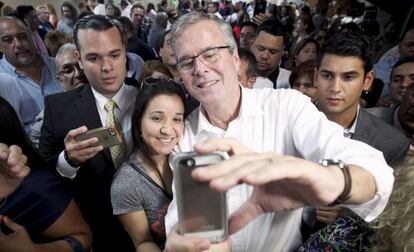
{"x":202,"y":212}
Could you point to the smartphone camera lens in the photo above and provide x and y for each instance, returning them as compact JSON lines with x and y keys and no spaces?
{"x":190,"y":162}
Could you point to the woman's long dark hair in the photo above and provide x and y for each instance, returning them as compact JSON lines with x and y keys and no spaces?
{"x":13,"y":133}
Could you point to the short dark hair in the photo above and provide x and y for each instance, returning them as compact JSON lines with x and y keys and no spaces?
{"x":273,"y":27}
{"x":348,"y":44}
{"x":147,"y":93}
{"x":401,"y":61}
{"x":98,"y":23}
{"x":137,"y":6}
{"x":248,"y":56}
{"x":248,"y":23}
{"x":24,"y":9}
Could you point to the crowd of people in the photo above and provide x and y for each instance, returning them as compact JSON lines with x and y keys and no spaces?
{"x":314,"y":106}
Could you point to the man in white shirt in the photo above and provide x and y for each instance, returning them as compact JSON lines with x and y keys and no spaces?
{"x":268,"y":47}
{"x":88,"y":168}
{"x":282,"y":127}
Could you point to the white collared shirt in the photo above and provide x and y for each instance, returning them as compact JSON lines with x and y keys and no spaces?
{"x":285,"y":122}
{"x":125,"y":100}
{"x":349,"y":132}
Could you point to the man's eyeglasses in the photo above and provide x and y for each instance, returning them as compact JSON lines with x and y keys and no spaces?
{"x":68,"y":70}
{"x":207,"y":57}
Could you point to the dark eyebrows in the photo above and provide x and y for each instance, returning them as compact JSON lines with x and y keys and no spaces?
{"x":98,"y":55}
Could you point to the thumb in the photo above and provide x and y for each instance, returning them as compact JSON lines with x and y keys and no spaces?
{"x":242,"y":216}
{"x":11,"y":224}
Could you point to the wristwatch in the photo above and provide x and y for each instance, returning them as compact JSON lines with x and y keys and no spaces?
{"x":70,"y":162}
{"x":346,"y":193}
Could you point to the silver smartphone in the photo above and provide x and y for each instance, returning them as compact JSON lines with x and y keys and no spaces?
{"x":107,"y":136}
{"x":201,"y":211}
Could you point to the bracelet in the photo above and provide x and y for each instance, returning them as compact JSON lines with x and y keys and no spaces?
{"x":69,"y":161}
{"x":346,"y":193}
{"x":74,"y":243}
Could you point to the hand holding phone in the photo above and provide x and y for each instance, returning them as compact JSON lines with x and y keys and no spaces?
{"x":107,"y":136}
{"x":201,"y":212}
{"x":77,"y":152}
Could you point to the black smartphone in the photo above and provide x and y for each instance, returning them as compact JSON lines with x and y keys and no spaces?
{"x":260,"y":7}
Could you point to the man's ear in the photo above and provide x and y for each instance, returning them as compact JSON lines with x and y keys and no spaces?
{"x":369,"y":78}
{"x":78,"y":58}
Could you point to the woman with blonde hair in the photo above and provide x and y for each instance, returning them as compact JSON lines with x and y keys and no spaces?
{"x":53,"y":19}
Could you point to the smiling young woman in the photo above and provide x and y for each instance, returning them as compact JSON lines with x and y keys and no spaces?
{"x":141,"y":190}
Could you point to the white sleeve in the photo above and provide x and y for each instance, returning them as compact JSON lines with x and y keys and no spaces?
{"x":316,"y":138}
{"x":64,"y":169}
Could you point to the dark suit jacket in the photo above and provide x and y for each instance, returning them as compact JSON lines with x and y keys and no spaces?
{"x":91,"y":186}
{"x":382,"y":136}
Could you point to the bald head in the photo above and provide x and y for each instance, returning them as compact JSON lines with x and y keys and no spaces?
{"x":16,"y":42}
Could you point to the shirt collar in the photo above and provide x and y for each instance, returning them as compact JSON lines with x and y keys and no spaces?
{"x":248,"y":107}
{"x":348,"y":132}
{"x":101,"y":99}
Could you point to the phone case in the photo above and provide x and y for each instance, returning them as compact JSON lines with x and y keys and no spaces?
{"x":107,"y":136}
{"x":201,"y":211}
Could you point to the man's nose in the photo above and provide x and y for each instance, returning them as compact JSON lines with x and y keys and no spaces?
{"x":335,"y":84}
{"x":106,"y":65}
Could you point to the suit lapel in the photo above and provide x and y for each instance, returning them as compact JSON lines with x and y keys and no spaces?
{"x":363,"y":126}
{"x":88,"y":112}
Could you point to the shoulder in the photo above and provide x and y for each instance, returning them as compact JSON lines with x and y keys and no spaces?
{"x":384,"y":113}
{"x":67,"y":96}
{"x":125,"y":179}
{"x":381,"y":130}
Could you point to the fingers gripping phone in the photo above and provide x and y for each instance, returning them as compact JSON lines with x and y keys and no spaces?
{"x":107,"y":136}
{"x":201,"y":211}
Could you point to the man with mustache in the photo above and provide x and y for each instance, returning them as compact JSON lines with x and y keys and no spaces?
{"x":35,"y":73}
{"x":268,"y":48}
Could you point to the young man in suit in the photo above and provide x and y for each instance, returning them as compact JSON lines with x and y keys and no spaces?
{"x":339,"y":87}
{"x":89,"y":169}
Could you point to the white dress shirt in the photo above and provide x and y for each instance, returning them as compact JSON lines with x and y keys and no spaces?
{"x":285,"y":121}
{"x":125,"y":100}
{"x":282,"y":80}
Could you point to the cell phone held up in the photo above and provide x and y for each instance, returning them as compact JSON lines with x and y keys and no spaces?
{"x":107,"y":136}
{"x":201,"y":212}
